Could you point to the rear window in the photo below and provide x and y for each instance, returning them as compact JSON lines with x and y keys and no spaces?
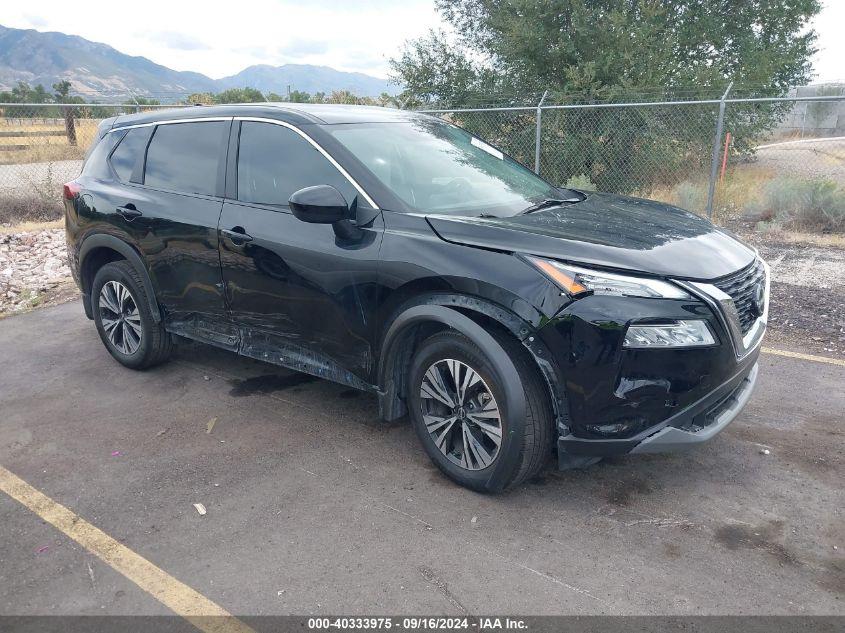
{"x":184,"y":157}
{"x":129,"y":152}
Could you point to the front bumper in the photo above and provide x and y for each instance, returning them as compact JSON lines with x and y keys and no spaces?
{"x":698,"y":423}
{"x":622,"y":400}
{"x":673,"y":438}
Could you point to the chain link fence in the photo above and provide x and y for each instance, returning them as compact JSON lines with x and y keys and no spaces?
{"x":761,"y":158}
{"x":722,"y":157}
{"x":42,"y":146}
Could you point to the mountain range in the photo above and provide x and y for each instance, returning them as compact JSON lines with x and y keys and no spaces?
{"x":98,"y":70}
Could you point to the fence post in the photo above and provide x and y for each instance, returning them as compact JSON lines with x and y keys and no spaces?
{"x":717,"y":144}
{"x":537,"y":133}
{"x":70,"y":126}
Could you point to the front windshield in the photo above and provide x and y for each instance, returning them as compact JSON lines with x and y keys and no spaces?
{"x":435,"y":167}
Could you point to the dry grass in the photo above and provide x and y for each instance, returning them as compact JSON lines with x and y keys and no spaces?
{"x":38,"y":206}
{"x":42,"y":149}
{"x":830,"y":240}
{"x":743,"y":185}
{"x":26,"y":227}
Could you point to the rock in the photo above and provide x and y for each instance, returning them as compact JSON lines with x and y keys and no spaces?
{"x":29,"y":262}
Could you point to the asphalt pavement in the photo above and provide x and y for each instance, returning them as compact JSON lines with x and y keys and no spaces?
{"x":314,"y":506}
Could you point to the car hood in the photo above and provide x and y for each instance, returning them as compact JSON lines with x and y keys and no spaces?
{"x":612,"y":231}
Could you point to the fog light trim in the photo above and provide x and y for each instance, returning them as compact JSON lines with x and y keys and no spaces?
{"x":693,"y":333}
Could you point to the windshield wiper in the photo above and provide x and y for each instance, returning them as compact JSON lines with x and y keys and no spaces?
{"x":549,"y":202}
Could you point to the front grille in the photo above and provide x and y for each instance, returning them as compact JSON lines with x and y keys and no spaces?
{"x":742,"y":286}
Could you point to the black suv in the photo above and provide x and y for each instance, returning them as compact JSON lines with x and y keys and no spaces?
{"x":396,"y":253}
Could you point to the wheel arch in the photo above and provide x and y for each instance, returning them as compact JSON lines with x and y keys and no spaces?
{"x":473,"y":317}
{"x":99,"y":249}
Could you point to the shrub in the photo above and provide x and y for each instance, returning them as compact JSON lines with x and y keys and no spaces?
{"x":691,"y":197}
{"x":15,"y":209}
{"x":800,"y":204}
{"x":581,"y":181}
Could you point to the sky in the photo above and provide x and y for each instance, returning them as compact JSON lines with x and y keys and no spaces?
{"x":349,"y":35}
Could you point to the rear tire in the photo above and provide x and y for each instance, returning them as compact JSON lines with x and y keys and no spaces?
{"x":464,"y":430}
{"x":124,"y":320}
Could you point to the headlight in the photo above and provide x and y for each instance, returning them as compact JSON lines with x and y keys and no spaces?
{"x":677,"y":334}
{"x":575,"y":280}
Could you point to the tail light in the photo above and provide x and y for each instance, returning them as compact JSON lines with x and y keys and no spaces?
{"x":71,"y":190}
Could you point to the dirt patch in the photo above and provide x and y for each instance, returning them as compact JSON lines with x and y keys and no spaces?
{"x":735,"y":536}
{"x":807,"y":310}
{"x":672,"y":550}
{"x":621,"y":493}
{"x":812,"y":318}
{"x":816,"y":447}
{"x":833,"y":576}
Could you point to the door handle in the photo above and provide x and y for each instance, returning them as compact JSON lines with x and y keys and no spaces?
{"x":129,"y":212}
{"x":237,"y":235}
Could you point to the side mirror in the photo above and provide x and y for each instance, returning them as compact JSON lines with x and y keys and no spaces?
{"x":322,"y":204}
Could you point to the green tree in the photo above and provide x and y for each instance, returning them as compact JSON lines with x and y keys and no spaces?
{"x":140,"y":102}
{"x":239,"y":95}
{"x":24,"y":93}
{"x":432,"y":70}
{"x":62,"y":89}
{"x":387,"y":100}
{"x":342,"y":96}
{"x":202,"y":98}
{"x":298,"y":96}
{"x":605,"y":47}
{"x":509,"y":53}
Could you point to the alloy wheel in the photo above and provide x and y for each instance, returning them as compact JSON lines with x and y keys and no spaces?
{"x":460,"y":414}
{"x":120,"y":317}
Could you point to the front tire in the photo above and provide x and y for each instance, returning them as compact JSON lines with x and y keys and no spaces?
{"x":124,"y":320}
{"x":458,"y":407}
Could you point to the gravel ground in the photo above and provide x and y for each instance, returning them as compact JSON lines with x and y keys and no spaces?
{"x":819,"y":159}
{"x":33,"y":270}
{"x":807,"y":311}
{"x":22,"y":179}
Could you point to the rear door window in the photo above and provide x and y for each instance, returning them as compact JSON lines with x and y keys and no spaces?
{"x":129,"y":152}
{"x":184,"y":157}
{"x":274,"y":161}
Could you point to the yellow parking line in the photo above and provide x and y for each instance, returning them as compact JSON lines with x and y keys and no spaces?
{"x":176,"y":596}
{"x":799,"y":355}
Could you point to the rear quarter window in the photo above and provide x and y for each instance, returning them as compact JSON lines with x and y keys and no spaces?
{"x":96,"y":164}
{"x":129,"y":152}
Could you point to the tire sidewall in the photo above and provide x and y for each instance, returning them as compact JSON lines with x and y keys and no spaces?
{"x":459,"y":348}
{"x":115,"y":272}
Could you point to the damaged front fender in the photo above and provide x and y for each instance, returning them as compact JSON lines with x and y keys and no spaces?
{"x":468,"y":315}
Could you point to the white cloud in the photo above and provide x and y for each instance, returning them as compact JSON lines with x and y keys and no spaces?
{"x":351,"y":35}
{"x":827,"y":63}
{"x":220,"y":40}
